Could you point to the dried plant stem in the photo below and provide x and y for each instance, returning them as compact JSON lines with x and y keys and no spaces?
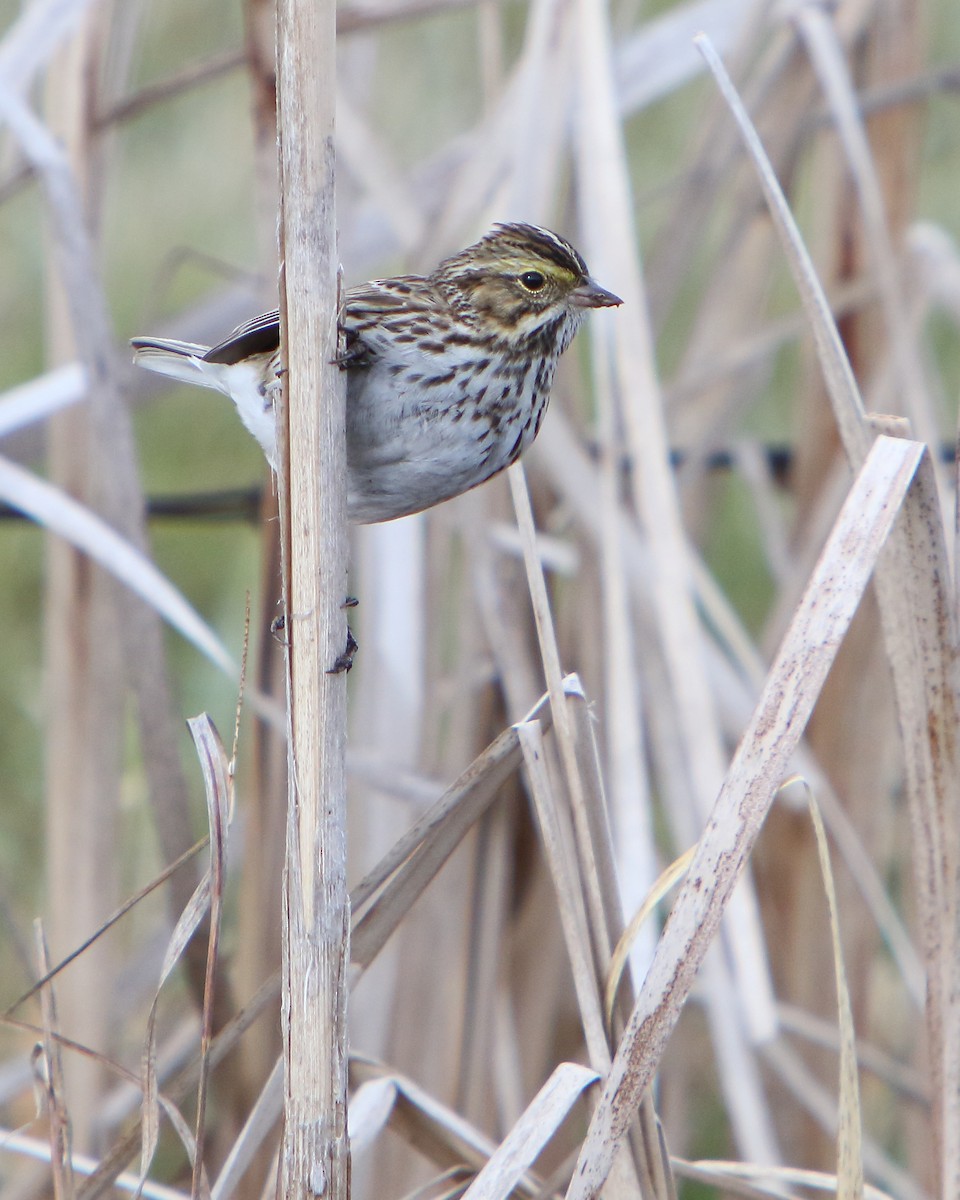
{"x":49,"y":1067}
{"x":84,"y":656}
{"x":315,"y":1153}
{"x":550,"y":654}
{"x":793,"y":684}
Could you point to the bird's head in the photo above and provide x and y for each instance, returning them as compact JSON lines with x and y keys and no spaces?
{"x":521,"y":281}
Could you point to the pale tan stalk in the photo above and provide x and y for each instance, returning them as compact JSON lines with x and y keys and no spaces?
{"x":316,"y":913}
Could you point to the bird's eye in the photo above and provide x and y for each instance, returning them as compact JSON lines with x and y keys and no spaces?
{"x":533,"y":281}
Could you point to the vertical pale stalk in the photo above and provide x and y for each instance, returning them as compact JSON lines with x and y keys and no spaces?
{"x":605,"y":193}
{"x":84,"y":685}
{"x":265,"y":755}
{"x":315,"y":1153}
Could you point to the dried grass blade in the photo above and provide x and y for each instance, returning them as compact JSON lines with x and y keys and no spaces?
{"x":667,"y":879}
{"x":889,"y":921}
{"x":689,"y":715}
{"x":438,"y":1132}
{"x":213,"y":761}
{"x":106,"y":1172}
{"x":566,"y":739}
{"x":39,"y":398}
{"x":58,"y":512}
{"x":904,"y":1080}
{"x":83,"y":1164}
{"x":746,"y":1179}
{"x":821,"y":1104}
{"x":830,"y":64}
{"x":150,"y":1108}
{"x":570,"y":901}
{"x":417,"y":857}
{"x":920,"y":632}
{"x":850,"y":1138}
{"x":219,"y":794}
{"x":792,"y":687}
{"x":114,"y":917}
{"x":48,"y":1068}
{"x":523,"y":1144}
{"x":34,"y":36}
{"x":370,"y":1108}
{"x":841,"y":384}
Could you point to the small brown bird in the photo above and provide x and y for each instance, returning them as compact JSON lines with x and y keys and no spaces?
{"x":448,"y":375}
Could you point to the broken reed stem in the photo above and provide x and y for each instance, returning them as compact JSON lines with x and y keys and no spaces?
{"x":315,"y":1152}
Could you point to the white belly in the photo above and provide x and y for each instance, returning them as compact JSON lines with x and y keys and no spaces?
{"x":410,"y":446}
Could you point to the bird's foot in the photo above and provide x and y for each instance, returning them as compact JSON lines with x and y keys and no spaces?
{"x":344,"y":661}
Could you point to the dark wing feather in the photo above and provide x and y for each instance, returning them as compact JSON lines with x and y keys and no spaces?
{"x":366,"y":305}
{"x":258,"y":336}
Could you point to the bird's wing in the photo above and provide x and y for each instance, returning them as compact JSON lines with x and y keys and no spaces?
{"x":365,"y":307}
{"x":386,"y":295}
{"x":257,"y":336}
{"x":370,"y":313}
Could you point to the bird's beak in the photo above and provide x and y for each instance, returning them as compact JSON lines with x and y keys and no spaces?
{"x":591,"y":295}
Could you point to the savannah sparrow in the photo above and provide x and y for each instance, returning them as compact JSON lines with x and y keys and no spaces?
{"x":448,"y":375}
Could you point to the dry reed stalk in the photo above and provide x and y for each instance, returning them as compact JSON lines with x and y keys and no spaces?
{"x":606,"y":192}
{"x":87,"y":534}
{"x":48,"y":1067}
{"x":85,"y":689}
{"x":316,"y":914}
{"x":203,"y":911}
{"x":428,"y":1021}
{"x":925,"y":682}
{"x":429,"y":1043}
{"x":493,"y":884}
{"x":265,"y":753}
{"x":218,"y":789}
{"x":789,"y":695}
{"x":388,"y":687}
{"x":113,"y":489}
{"x":857,"y":236}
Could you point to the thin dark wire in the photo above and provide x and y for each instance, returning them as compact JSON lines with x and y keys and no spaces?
{"x":244,"y":504}
{"x":231,"y":504}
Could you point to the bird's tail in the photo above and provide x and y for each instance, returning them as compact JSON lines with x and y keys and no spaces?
{"x":178,"y":360}
{"x":242,"y":381}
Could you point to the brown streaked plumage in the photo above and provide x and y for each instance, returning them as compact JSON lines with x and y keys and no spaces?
{"x":449,"y":374}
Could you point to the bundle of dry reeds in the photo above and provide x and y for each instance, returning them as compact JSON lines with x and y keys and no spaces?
{"x":649,"y":815}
